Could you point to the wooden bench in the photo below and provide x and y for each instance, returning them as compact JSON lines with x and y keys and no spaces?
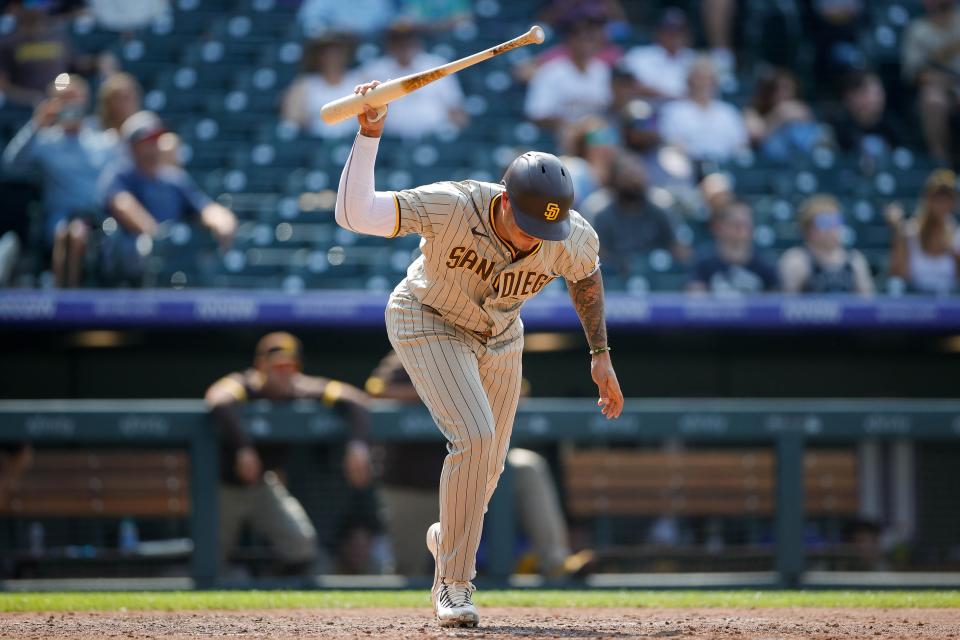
{"x":702,"y":483}
{"x":109,"y":483}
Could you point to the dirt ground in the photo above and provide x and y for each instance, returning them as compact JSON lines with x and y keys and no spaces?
{"x":496,"y":623}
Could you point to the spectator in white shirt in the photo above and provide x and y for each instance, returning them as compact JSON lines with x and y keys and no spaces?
{"x":570,"y":88}
{"x":434,"y":107}
{"x":703,"y":126}
{"x":325,"y":77}
{"x":661,"y":68}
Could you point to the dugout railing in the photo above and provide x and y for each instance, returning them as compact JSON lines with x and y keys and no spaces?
{"x":786,"y":426}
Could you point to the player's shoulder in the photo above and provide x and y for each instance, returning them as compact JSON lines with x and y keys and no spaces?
{"x":579,"y":223}
{"x":582,"y":234}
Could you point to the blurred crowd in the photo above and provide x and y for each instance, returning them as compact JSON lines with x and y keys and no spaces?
{"x":646,"y":115}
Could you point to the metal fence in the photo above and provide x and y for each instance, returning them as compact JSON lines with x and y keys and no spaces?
{"x":785,"y":425}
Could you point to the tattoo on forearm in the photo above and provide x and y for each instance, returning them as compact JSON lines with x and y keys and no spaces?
{"x":587,"y":296}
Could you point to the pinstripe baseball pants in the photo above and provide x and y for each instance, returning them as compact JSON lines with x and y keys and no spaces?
{"x":471,"y":388}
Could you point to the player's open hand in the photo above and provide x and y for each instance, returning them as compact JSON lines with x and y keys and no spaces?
{"x":611,"y":398}
{"x":372,"y":119}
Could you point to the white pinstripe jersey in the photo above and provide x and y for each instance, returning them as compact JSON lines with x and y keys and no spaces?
{"x":467,"y":272}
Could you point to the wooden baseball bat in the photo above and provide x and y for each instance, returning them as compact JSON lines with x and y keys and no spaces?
{"x":352,"y":105}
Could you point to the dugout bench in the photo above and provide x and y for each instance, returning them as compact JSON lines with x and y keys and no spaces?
{"x":785,"y":424}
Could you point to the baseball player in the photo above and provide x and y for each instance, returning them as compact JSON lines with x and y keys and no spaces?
{"x":454,"y":320}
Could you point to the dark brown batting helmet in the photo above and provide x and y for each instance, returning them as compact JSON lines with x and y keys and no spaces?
{"x":541,"y":191}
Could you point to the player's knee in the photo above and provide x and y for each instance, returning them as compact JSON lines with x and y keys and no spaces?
{"x":476,"y":440}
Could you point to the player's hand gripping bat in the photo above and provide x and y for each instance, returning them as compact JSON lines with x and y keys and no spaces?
{"x":352,"y":105}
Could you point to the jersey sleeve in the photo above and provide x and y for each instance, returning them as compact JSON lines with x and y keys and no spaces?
{"x":580,"y":255}
{"x":425,"y":210}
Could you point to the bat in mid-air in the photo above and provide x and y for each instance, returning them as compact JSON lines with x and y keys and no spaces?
{"x":352,"y":105}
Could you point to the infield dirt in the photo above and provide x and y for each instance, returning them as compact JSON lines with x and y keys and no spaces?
{"x":496,"y":623}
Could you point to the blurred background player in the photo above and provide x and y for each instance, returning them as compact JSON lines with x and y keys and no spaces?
{"x":412,"y":501}
{"x":251,"y":492}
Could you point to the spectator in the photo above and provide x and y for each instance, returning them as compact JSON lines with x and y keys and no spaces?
{"x":69,"y":157}
{"x":411,"y":499}
{"x":250,"y":490}
{"x":434,"y":107}
{"x":866,"y":125}
{"x":362,"y":17}
{"x":730,"y":265}
{"x":661,"y":69}
{"x":926,"y":248}
{"x":145,"y":193}
{"x":117,"y":99}
{"x":631,"y":225}
{"x":931,"y":61}
{"x":823,"y":264}
{"x":570,"y":88}
{"x":703,"y":126}
{"x":779,"y":123}
{"x":324,"y":77}
{"x":563,"y":13}
{"x":33,"y":55}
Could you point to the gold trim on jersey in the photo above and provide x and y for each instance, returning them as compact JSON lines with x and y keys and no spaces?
{"x":514,"y":252}
{"x":396,"y":228}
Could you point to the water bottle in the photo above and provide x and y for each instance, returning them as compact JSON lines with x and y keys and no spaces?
{"x":35,"y":536}
{"x":128,"y":537}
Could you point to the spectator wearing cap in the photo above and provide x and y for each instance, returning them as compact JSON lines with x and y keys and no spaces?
{"x":926,"y":248}
{"x":118,"y":98}
{"x":631,"y":225}
{"x":251,"y":493}
{"x":730,"y":265}
{"x":69,"y":157}
{"x":661,"y":68}
{"x":34,"y":54}
{"x":364,"y":18}
{"x":437,"y":106}
{"x":572,"y":87}
{"x":865,"y":125}
{"x":930,"y":60}
{"x":325,"y":76}
{"x":822,"y":264}
{"x":705,"y":127}
{"x":143,"y":194}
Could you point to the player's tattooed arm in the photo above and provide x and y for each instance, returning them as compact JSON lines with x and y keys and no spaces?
{"x":587,"y":296}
